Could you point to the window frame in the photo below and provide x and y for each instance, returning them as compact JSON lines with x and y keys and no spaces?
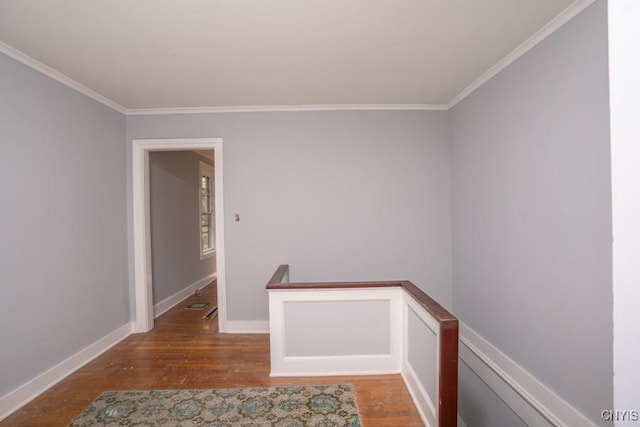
{"x":206,"y":170}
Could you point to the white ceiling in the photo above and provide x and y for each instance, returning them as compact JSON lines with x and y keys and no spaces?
{"x":215,"y":53}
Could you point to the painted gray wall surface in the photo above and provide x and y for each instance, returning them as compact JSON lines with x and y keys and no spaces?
{"x":337,"y":195}
{"x":479,"y":406}
{"x":422,"y":353}
{"x":175,"y":238}
{"x":532,"y":212}
{"x":337,"y":328}
{"x":63,"y":251}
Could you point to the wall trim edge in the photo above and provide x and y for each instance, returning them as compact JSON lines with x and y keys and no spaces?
{"x":285,"y":108}
{"x":549,"y":28}
{"x":25,"y":59}
{"x":524,"y":393}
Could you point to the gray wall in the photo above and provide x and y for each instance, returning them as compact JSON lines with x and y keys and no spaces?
{"x":532,"y":213}
{"x":336,"y":328}
{"x":479,"y":405}
{"x":63,"y":251}
{"x":337,"y":195}
{"x":175,"y":237}
{"x":421,"y":353}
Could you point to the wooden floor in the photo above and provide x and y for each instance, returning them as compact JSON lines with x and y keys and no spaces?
{"x":185,"y":351}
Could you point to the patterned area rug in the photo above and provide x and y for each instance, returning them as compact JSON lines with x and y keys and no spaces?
{"x":314,"y":406}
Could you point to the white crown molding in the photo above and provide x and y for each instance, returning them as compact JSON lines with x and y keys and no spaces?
{"x":59,"y":77}
{"x":565,"y":16}
{"x":553,"y":25}
{"x":281,"y":108}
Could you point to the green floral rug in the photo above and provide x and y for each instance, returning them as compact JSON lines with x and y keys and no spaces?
{"x":314,"y":406}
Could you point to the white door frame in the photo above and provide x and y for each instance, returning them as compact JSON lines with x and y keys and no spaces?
{"x":141,"y":224}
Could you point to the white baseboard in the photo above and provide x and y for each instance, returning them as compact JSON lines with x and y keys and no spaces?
{"x":168,"y":303}
{"x":533,"y":401}
{"x":331,"y":373}
{"x":419,"y":395}
{"x":247,"y":327}
{"x":22,"y":395}
{"x":330,"y":366}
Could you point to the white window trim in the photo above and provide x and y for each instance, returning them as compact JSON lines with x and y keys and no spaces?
{"x":207,"y":170}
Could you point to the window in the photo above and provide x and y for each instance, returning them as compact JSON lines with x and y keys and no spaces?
{"x":207,"y":217}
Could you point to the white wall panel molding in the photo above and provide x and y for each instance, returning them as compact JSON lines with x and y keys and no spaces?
{"x":425,"y":403}
{"x":283,"y":364}
{"x":533,"y":401}
{"x":416,"y":360}
{"x":32,"y":389}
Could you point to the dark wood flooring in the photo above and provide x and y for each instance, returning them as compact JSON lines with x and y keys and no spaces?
{"x":185,"y":351}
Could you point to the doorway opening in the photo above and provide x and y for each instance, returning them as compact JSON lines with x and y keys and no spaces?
{"x":144,"y":313}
